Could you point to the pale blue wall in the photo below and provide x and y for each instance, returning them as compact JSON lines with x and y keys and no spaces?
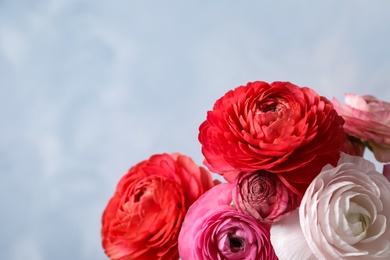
{"x":89,"y":88}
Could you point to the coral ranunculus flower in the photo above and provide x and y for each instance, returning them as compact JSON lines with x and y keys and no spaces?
{"x":143,"y":218}
{"x":279,"y":127}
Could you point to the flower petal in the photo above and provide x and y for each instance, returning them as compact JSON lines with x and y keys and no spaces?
{"x":288,"y":240}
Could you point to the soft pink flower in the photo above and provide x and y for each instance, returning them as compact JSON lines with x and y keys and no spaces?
{"x":263,"y":196}
{"x":367,"y":119}
{"x":344,"y":214}
{"x":213,"y":229}
{"x":279,"y":127}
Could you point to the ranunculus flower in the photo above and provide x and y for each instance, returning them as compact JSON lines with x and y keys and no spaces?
{"x":143,"y":218}
{"x":367,"y":119}
{"x":344,"y":214}
{"x":279,"y":127}
{"x":263,"y":196}
{"x":213,"y":229}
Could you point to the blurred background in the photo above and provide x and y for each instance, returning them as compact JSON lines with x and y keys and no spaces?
{"x":90,"y":88}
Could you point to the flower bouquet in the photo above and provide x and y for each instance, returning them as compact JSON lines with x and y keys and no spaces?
{"x":297,"y":185}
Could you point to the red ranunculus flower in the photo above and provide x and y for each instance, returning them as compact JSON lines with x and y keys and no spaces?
{"x":143,"y":218}
{"x":279,"y":127}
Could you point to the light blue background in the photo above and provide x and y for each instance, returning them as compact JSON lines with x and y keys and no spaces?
{"x":90,"y":88}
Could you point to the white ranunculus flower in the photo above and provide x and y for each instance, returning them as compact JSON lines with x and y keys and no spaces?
{"x":345,"y":211}
{"x":344,"y":214}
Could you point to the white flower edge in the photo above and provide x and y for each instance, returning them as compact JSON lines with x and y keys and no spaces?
{"x":292,"y":237}
{"x":288,"y":240}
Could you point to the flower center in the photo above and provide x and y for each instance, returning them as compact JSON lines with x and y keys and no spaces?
{"x":358,"y":219}
{"x":139,"y":194}
{"x":363,"y":221}
{"x":268,"y":106}
{"x":236,"y":243}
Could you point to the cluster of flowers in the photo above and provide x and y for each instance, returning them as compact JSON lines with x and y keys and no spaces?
{"x":297,"y":185}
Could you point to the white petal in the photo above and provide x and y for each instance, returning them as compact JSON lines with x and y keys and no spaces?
{"x":361,"y":165}
{"x":288,"y":240}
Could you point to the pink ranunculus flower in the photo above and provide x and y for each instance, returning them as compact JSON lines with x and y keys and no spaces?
{"x":214,"y":229}
{"x":344,"y":214}
{"x":263,"y":196}
{"x":367,"y":119}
